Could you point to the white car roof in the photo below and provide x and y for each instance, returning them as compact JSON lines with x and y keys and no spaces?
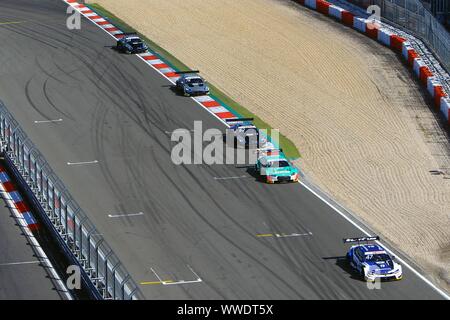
{"x":374,"y":252}
{"x":132,"y":38}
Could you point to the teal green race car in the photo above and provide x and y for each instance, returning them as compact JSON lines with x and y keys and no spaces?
{"x":273,"y":167}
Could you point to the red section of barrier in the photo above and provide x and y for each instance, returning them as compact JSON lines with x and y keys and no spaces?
{"x":322,"y":6}
{"x":33,"y":227}
{"x":372,"y":30}
{"x":9,"y":187}
{"x":424,"y":74}
{"x":347,"y":18}
{"x":397,"y":43}
{"x":22,"y":207}
{"x":412,"y":54}
{"x":438,"y":94}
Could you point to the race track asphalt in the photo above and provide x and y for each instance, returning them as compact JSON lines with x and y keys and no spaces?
{"x":117,"y":110}
{"x":22,"y":276}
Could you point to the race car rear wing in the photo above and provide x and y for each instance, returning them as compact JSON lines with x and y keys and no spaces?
{"x":130,"y":34}
{"x":268,"y":151}
{"x":362,"y":239}
{"x":238,"y":120}
{"x":187,"y":72}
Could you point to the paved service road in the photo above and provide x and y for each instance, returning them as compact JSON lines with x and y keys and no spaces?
{"x":21,"y":274}
{"x":115,"y":112}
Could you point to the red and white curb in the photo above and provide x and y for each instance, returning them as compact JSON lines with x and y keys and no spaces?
{"x":213,"y":106}
{"x":441,"y":100}
{"x":10,"y":192}
{"x":28,"y":224}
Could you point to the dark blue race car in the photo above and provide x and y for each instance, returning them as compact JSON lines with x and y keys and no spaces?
{"x":191,"y":84}
{"x":131,"y":43}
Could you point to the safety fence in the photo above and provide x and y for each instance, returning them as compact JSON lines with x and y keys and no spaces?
{"x":101,"y":270}
{"x":412,"y":16}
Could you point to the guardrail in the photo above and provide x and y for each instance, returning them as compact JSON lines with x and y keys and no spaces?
{"x":101,"y":270}
{"x":412,"y":16}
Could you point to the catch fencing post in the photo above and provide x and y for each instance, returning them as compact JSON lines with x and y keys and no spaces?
{"x":97,"y":273}
{"x":81,"y":239}
{"x":105,"y":291}
{"x":114,"y":279}
{"x":123,"y":286}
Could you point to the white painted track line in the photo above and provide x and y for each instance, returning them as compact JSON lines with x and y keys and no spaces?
{"x":48,"y":121}
{"x":231,"y":178}
{"x":81,"y":163}
{"x":19,"y":263}
{"x":126,"y":215}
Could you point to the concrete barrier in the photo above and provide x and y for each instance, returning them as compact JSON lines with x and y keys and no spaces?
{"x":445,"y":108}
{"x":384,"y":36}
{"x":396,"y":42}
{"x":359,"y":24}
{"x":347,"y":18}
{"x":335,"y":11}
{"x":310,"y":3}
{"x":372,"y":29}
{"x":425,"y":73}
{"x":323,"y":7}
{"x":417,"y":65}
{"x":439,"y":94}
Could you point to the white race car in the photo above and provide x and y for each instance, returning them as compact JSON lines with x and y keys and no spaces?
{"x":245,"y":133}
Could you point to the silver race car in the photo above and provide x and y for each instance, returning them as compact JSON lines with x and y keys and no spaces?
{"x":244,"y":133}
{"x":191,"y":84}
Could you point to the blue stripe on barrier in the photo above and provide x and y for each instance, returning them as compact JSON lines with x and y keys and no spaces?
{"x":15,"y":196}
{"x":28,"y":218}
{"x":4,"y":177}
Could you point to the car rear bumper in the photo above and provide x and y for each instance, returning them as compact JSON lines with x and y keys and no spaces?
{"x":281,"y":179}
{"x":198,"y":93}
{"x":139,"y":51}
{"x":384,"y":277}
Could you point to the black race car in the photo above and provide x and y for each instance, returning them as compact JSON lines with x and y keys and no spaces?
{"x":131,"y":43}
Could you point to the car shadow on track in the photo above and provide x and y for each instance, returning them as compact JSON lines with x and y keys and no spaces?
{"x":174,"y":89}
{"x":251,"y":171}
{"x":114,"y":48}
{"x":341,"y":262}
